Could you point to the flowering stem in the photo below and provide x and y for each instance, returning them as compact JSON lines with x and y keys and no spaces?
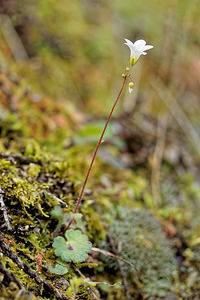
{"x":94,"y":155}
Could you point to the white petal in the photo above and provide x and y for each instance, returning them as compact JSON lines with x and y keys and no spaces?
{"x":128,"y":43}
{"x":147,"y":47}
{"x":140,"y":44}
{"x":136,"y":52}
{"x":131,"y":47}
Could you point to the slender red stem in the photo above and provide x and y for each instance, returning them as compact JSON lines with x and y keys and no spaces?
{"x":94,"y":155}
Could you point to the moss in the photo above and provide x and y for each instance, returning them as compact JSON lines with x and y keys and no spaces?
{"x":10,"y":125}
{"x":33,"y":182}
{"x":143,"y":243}
{"x":19,"y":187}
{"x":95,"y":226}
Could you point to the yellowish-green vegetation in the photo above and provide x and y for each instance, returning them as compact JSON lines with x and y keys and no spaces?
{"x":142,"y":200}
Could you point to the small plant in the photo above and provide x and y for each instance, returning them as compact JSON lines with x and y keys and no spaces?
{"x":136,"y":50}
{"x":75,"y":245}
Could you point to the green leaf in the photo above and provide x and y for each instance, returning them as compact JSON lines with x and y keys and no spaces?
{"x":78,"y":220}
{"x":75,"y":249}
{"x":64,"y":218}
{"x":58,"y":269}
{"x":57,"y":213}
{"x":91,"y":132}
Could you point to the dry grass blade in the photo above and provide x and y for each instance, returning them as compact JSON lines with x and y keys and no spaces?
{"x":157,"y":157}
{"x":107,"y":253}
{"x":165,"y":95}
{"x":12,"y":38}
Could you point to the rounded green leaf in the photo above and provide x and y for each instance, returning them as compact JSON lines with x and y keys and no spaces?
{"x":75,"y":249}
{"x":58,"y":269}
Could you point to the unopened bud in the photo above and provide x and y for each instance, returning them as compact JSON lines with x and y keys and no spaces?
{"x":127,"y":69}
{"x":123,"y":75}
{"x":130,"y":87}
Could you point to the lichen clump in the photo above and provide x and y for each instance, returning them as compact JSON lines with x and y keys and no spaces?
{"x":141,"y":241}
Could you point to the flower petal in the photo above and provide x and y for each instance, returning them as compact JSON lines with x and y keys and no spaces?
{"x":140,"y":44}
{"x":147,"y":47}
{"x":136,"y":52}
{"x":128,"y":43}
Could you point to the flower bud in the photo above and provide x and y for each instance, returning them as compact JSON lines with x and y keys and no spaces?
{"x":130,"y":87}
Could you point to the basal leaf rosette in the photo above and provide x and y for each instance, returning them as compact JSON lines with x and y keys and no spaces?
{"x":75,"y":248}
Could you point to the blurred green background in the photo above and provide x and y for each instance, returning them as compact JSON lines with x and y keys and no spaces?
{"x":73,"y":50}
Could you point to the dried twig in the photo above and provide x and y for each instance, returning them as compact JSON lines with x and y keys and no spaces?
{"x":48,"y":194}
{"x":9,"y":277}
{"x":107,"y":253}
{"x":48,"y":287}
{"x":3,"y":209}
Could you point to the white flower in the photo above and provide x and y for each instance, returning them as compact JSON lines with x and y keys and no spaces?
{"x":137,"y":49}
{"x":130,"y":87}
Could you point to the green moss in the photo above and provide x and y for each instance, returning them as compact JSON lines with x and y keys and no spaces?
{"x":20,"y":188}
{"x":10,"y":125}
{"x":143,"y":243}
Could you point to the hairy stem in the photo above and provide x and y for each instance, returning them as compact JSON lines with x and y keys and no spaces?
{"x":94,"y":155}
